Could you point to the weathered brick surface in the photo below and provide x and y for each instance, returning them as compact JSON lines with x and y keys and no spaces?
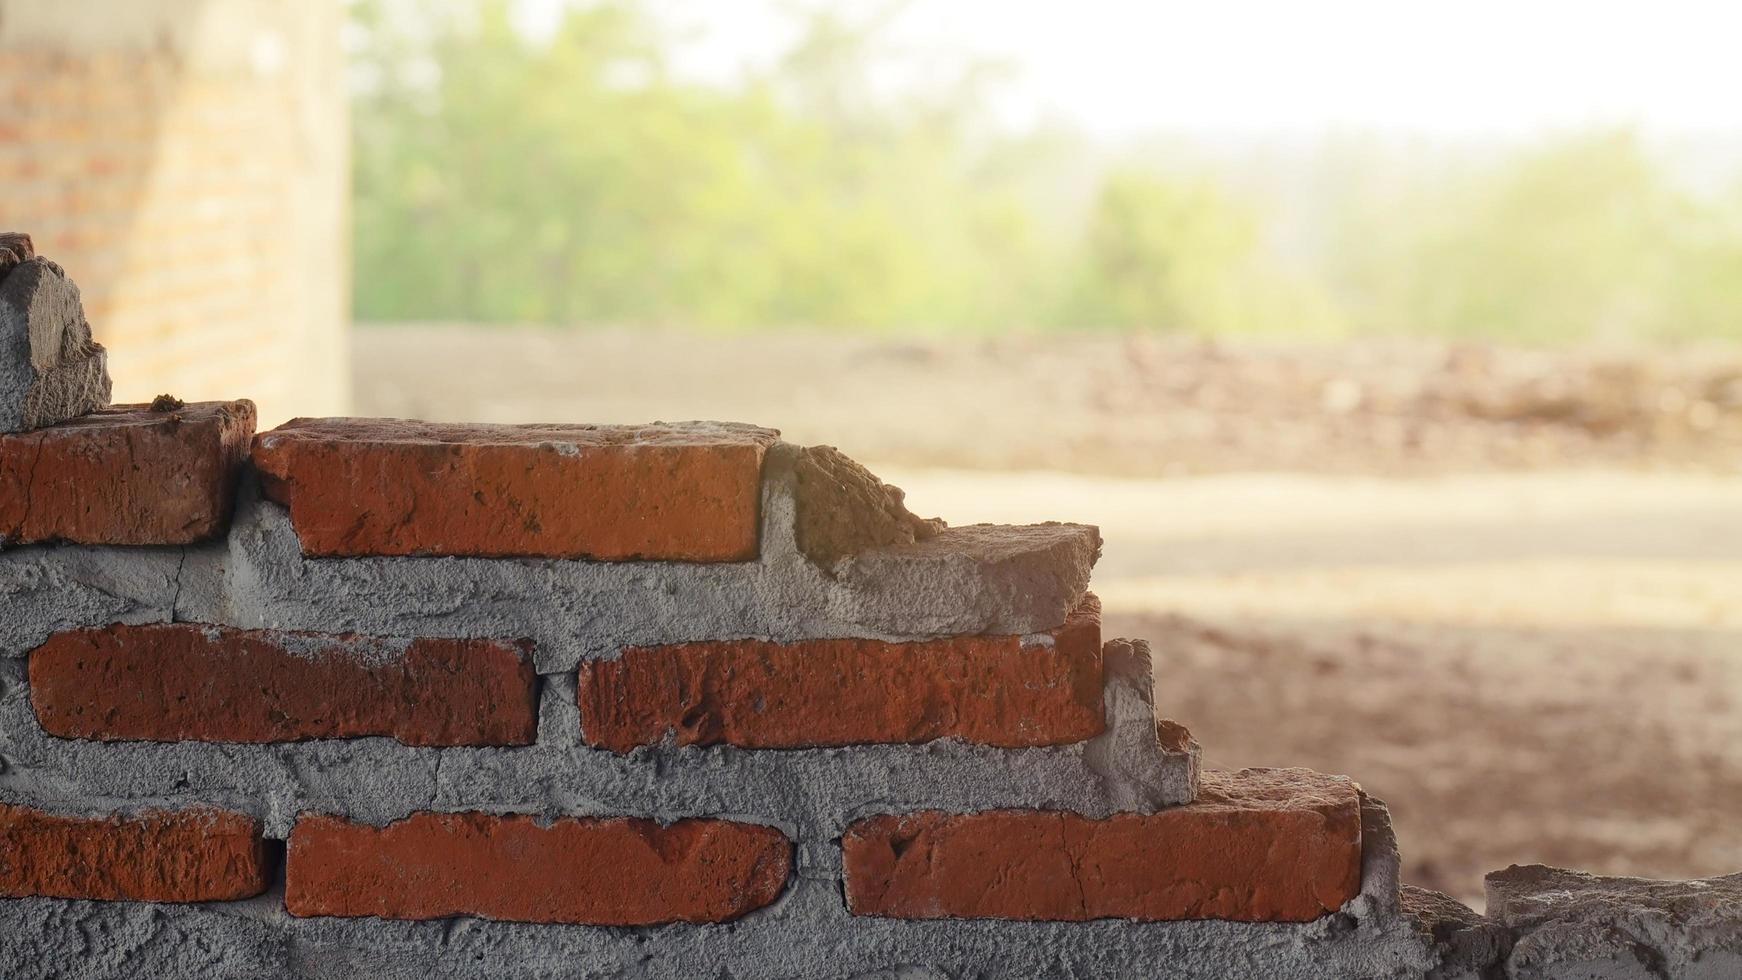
{"x":183,"y":856}
{"x":586,"y":871}
{"x":180,"y":681}
{"x":688,"y":492}
{"x":125,"y":476}
{"x":1259,"y":845}
{"x":995,"y":690}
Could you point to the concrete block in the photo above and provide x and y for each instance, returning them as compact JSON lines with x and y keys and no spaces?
{"x":1574,"y":926}
{"x":51,"y":369}
{"x":1468,"y":946}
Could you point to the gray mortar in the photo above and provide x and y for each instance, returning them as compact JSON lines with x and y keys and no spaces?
{"x":45,"y":589}
{"x":806,"y":935}
{"x":978,"y":579}
{"x":966,"y":580}
{"x":50,"y":368}
{"x":1573,"y":926}
{"x":811,"y":794}
{"x":1469,"y":946}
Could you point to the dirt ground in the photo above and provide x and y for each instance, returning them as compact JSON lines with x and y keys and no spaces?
{"x":1502,"y":589}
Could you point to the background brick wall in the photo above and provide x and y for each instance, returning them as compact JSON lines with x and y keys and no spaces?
{"x":186,"y":161}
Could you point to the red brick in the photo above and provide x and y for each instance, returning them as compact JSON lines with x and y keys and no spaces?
{"x":125,"y":476}
{"x":1278,"y":845}
{"x":617,"y":871}
{"x":185,"y":681}
{"x":995,"y":690}
{"x":689,"y":492}
{"x":198,"y":855}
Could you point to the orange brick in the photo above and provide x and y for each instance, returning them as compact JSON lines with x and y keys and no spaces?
{"x":125,"y":476}
{"x":623,"y":872}
{"x":995,"y":690}
{"x":198,"y":855}
{"x":1280,"y":845}
{"x":688,"y":492}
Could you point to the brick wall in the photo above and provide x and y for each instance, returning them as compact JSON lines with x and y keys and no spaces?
{"x":357,"y":697}
{"x":188,"y":159}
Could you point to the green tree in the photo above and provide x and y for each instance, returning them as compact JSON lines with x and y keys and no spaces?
{"x":1580,"y":237}
{"x":1179,"y":255}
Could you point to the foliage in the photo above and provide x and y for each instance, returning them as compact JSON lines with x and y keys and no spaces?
{"x":574,"y":179}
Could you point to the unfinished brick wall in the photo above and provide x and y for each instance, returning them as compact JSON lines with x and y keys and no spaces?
{"x":383,"y":698}
{"x":188,"y":158}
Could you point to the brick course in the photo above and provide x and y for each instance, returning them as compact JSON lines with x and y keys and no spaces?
{"x":688,"y":492}
{"x":127,"y":475}
{"x":185,"y":681}
{"x":1258,"y":845}
{"x":198,"y":855}
{"x":623,"y":872}
{"x":994,"y":690}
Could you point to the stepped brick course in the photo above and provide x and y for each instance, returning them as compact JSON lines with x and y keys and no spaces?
{"x":864,"y":718}
{"x":1258,"y":846}
{"x":185,"y":856}
{"x":180,"y":681}
{"x":688,"y":492}
{"x":128,"y":475}
{"x":994,"y":690}
{"x":624,"y":872}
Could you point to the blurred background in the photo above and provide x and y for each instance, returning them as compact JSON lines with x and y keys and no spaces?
{"x":1396,"y":348}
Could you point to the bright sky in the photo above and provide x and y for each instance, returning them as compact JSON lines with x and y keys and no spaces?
{"x":1451,"y":67}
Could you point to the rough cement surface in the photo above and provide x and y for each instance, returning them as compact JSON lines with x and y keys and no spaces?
{"x":1575,"y":926}
{"x":844,"y":509}
{"x":51,"y":369}
{"x":812,"y":794}
{"x":15,"y":247}
{"x":806,"y":935}
{"x":1014,"y":580}
{"x":48,"y":588}
{"x":1469,"y":946}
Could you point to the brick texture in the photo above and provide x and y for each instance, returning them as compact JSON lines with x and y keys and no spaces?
{"x":1259,"y":845}
{"x":606,"y":872}
{"x":198,"y":197}
{"x":994,"y":690}
{"x":185,"y":856}
{"x":184,"y":681}
{"x":688,"y":492}
{"x":125,"y":476}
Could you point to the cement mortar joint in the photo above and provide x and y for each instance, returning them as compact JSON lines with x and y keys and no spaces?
{"x":1021,"y":581}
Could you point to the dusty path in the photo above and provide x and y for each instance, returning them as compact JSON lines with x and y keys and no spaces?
{"x":1528,"y":664}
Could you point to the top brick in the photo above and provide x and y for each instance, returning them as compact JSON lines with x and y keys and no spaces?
{"x":684,"y":491}
{"x":160,"y":474}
